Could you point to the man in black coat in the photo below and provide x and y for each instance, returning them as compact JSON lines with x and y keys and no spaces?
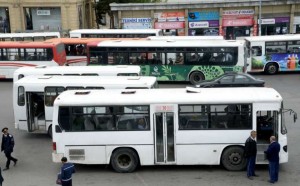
{"x":250,"y":154}
{"x":273,"y":156}
{"x":7,"y":146}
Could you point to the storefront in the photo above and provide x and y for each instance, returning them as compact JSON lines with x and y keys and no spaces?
{"x":203,"y":23}
{"x":237,"y":23}
{"x":296,"y":27}
{"x":44,"y":19}
{"x":136,"y":23}
{"x":275,"y":26}
{"x":4,"y":20}
{"x":172,"y":23}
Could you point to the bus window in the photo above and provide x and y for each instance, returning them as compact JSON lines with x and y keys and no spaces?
{"x":256,"y":50}
{"x":21,"y":96}
{"x":51,"y":93}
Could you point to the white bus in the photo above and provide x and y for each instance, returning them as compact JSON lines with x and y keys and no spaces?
{"x":115,"y":33}
{"x":35,"y":36}
{"x":119,"y":70}
{"x":33,"y":96}
{"x":179,"y":126}
{"x":176,"y":60}
{"x":272,"y":54}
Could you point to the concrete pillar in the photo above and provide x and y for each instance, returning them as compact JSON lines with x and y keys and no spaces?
{"x":119,"y":19}
{"x":292,"y":18}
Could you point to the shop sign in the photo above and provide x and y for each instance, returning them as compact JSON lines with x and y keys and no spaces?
{"x":203,"y":16}
{"x":237,"y":22}
{"x":169,"y":16}
{"x":169,"y":25}
{"x":136,"y":20}
{"x":296,"y":20}
{"x":267,"y":21}
{"x":200,"y":24}
{"x":43,"y":12}
{"x":137,"y":25}
{"x":238,"y":12}
{"x":282,"y":19}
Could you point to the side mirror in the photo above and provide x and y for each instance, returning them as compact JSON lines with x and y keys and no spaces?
{"x":295,"y":117}
{"x":57,"y":129}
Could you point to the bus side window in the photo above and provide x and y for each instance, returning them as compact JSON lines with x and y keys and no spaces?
{"x":256,"y":51}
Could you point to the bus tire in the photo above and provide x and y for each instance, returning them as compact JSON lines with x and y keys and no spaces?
{"x":49,"y":132}
{"x":124,"y":160}
{"x":233,"y":159}
{"x":196,"y":77}
{"x":271,"y":68}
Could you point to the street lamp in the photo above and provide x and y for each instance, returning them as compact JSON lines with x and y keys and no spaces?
{"x":259,"y":22}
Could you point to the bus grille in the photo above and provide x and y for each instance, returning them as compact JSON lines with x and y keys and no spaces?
{"x":77,"y":154}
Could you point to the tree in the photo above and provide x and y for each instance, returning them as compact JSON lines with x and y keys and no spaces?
{"x":102,"y":8}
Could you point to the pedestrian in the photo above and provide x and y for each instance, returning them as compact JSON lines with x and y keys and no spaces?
{"x":250,"y":154}
{"x":1,"y":178}
{"x":66,"y":172}
{"x":273,"y":157}
{"x":7,"y":146}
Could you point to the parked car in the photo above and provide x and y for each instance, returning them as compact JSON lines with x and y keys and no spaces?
{"x":233,"y":79}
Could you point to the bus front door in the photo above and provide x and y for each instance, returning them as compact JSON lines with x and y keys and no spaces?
{"x":164,"y":138}
{"x":35,"y":111}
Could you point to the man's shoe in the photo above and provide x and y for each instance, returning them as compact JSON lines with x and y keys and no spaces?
{"x":250,"y":178}
{"x":270,"y":181}
{"x":5,"y":169}
{"x":15,"y":162}
{"x":256,"y":175}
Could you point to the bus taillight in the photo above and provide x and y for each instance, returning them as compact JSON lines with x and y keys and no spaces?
{"x":54,"y":146}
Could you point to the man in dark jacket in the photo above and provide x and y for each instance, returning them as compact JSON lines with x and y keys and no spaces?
{"x":250,"y":154}
{"x":7,"y":146}
{"x":66,"y":172}
{"x":273,"y":156}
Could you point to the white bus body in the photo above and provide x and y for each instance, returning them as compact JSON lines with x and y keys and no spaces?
{"x":183,"y":127}
{"x":203,"y":60}
{"x":119,"y":70}
{"x":33,"y":96}
{"x":35,"y":36}
{"x":115,"y":33}
{"x":272,"y":54}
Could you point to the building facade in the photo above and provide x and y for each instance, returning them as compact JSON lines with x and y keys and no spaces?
{"x":41,"y":15}
{"x":231,"y":19}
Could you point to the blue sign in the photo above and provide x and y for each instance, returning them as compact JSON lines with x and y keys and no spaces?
{"x":203,"y":16}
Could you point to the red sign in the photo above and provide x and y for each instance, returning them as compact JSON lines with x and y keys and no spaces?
{"x":169,"y":25}
{"x":237,"y":22}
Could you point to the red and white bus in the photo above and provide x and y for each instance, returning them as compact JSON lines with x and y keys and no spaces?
{"x":14,"y":55}
{"x":76,"y":48}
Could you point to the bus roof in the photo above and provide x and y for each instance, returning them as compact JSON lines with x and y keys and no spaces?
{"x":27,"y":44}
{"x":33,"y":34}
{"x":274,"y":38}
{"x":88,"y":40}
{"x":115,"y":31}
{"x":39,"y":82}
{"x":162,"y":43}
{"x":76,"y":69}
{"x":169,"y":96}
{"x":177,"y":38}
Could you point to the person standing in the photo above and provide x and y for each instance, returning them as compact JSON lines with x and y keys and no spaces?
{"x":7,"y":146}
{"x":273,"y":156}
{"x":250,"y":154}
{"x":66,"y":172}
{"x":1,"y":178}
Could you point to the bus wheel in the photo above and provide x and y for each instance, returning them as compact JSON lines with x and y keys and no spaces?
{"x":196,"y":77}
{"x":271,"y":68}
{"x":124,"y":160}
{"x":233,"y":160}
{"x":50,"y":131}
